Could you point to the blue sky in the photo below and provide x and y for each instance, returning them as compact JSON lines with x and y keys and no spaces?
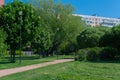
{"x":106,"y":8}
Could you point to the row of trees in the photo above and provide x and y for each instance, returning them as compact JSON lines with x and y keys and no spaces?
{"x":46,"y":26}
{"x":100,"y":43}
{"x":49,"y":27}
{"x":90,"y":37}
{"x":99,"y":37}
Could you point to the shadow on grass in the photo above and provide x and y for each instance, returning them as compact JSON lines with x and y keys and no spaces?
{"x":106,"y":61}
{"x":28,"y":57}
{"x":24,"y":57}
{"x":5,"y":62}
{"x":68,"y":58}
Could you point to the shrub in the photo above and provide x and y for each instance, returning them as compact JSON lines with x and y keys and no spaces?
{"x":81,"y":55}
{"x":108,"y":53}
{"x":6,"y":52}
{"x":67,"y":48}
{"x":97,"y":53}
{"x":93,"y":54}
{"x":89,"y":54}
{"x":17,"y":52}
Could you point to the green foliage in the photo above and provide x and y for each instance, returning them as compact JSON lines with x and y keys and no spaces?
{"x":14,"y":24}
{"x":89,"y":37}
{"x":67,"y":48}
{"x":93,"y":54}
{"x":42,"y":41}
{"x":69,"y":43}
{"x":17,"y":52}
{"x":58,"y":18}
{"x":88,"y":54}
{"x":6,"y":53}
{"x":116,"y":37}
{"x":108,"y":53}
{"x":106,"y":40}
{"x":3,"y":45}
{"x":97,"y":54}
{"x":11,"y":21}
{"x":81,"y":55}
{"x":112,"y":38}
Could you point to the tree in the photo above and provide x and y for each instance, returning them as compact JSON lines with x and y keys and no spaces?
{"x":89,"y":37}
{"x":116,"y":36}
{"x":73,"y":28}
{"x":42,"y":42}
{"x":112,"y":38}
{"x":106,"y":39}
{"x":58,"y":18}
{"x":3,"y":46}
{"x":12,"y":22}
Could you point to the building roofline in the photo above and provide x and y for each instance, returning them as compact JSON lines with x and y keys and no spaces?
{"x":95,"y":16}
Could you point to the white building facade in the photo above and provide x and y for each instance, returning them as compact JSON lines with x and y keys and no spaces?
{"x":99,"y":21}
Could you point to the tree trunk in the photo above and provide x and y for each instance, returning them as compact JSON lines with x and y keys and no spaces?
{"x":53,"y":48}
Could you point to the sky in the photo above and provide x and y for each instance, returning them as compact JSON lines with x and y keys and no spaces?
{"x":105,"y":8}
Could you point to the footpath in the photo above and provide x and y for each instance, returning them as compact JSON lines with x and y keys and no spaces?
{"x":6,"y":72}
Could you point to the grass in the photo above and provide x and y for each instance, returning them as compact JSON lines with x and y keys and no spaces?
{"x":27,"y":60}
{"x":71,"y":71}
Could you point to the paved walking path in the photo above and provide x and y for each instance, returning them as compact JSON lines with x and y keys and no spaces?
{"x":25,"y":68}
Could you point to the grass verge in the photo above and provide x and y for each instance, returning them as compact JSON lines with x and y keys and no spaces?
{"x":71,"y":71}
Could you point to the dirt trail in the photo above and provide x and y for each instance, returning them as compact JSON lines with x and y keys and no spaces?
{"x":6,"y":72}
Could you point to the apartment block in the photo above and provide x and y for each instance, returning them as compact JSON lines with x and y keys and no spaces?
{"x":1,"y":2}
{"x":99,"y":21}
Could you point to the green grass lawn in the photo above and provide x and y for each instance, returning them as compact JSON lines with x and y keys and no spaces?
{"x":27,"y":60}
{"x":71,"y":71}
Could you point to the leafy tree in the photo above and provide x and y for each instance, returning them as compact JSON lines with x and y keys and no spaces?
{"x":3,"y":46}
{"x":73,"y":28}
{"x":112,"y":38}
{"x":42,"y":42}
{"x":106,"y":39}
{"x":11,"y":22}
{"x":89,"y":38}
{"x":116,"y":36}
{"x":58,"y":18}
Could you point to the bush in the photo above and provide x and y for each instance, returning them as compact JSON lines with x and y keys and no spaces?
{"x":97,"y":53}
{"x":17,"y":52}
{"x":108,"y":53}
{"x":6,"y":52}
{"x":93,"y":54}
{"x":89,"y":54}
{"x":67,"y":48}
{"x":81,"y":55}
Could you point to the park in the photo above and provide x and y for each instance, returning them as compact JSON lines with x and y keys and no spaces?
{"x":43,"y":40}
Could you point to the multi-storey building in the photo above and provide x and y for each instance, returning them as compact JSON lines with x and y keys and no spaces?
{"x":99,"y":21}
{"x":1,"y":2}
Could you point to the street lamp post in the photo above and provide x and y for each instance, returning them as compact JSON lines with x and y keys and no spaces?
{"x":56,"y":35}
{"x":20,"y":14}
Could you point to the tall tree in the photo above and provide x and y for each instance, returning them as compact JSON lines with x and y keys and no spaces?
{"x":12,"y":22}
{"x":90,"y":37}
{"x":112,"y":38}
{"x":59,"y":19}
